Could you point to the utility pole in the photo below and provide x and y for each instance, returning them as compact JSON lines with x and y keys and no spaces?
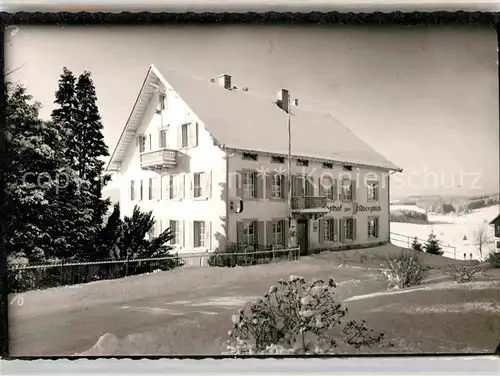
{"x":289,"y":173}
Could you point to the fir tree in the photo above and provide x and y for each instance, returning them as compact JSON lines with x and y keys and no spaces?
{"x":416,"y":245}
{"x":432,"y":245}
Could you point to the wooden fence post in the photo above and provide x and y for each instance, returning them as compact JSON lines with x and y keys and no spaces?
{"x":62,"y":273}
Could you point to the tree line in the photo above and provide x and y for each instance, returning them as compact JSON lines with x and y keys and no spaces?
{"x":55,"y":169}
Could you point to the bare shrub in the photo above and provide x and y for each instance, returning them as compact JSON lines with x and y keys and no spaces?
{"x":404,"y":270}
{"x":296,"y":317}
{"x":462,"y":274}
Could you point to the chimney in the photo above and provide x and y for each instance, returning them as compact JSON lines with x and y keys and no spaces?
{"x":282,"y":101}
{"x":225,"y":81}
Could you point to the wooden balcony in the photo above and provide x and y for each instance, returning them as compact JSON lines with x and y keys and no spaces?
{"x":158,"y":159}
{"x":309,"y":204}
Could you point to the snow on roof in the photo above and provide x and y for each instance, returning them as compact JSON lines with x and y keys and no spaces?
{"x":240,"y":120}
{"x":495,"y":219}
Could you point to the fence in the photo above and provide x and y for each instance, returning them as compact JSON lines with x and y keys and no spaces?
{"x":406,"y":241}
{"x":24,"y":277}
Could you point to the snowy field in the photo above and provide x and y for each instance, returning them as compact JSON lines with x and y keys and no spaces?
{"x":450,"y":230}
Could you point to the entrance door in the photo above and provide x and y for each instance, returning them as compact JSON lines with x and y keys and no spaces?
{"x":302,"y":236}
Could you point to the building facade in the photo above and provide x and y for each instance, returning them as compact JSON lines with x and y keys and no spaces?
{"x":496,"y":229}
{"x":212,"y":184}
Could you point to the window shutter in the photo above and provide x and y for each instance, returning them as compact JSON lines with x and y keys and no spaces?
{"x":208,"y":184}
{"x":269,"y":186}
{"x":191,"y":236}
{"x":261,"y":239}
{"x":284,"y":185}
{"x":309,"y":186}
{"x":259,"y":187}
{"x":165,"y":187}
{"x":190,"y":185}
{"x":239,"y":231}
{"x":195,"y":141}
{"x":354,"y":230}
{"x":179,"y":137}
{"x":182,"y":183}
{"x":239,"y":184}
{"x":208,"y":235}
{"x":286,"y":231}
{"x":376,"y":191}
{"x":160,"y":139}
{"x":341,"y":230}
{"x":295,"y":186}
{"x":335,"y":230}
{"x":182,"y":225}
{"x":321,"y":188}
{"x":321,"y":231}
{"x":353,"y":189}
{"x":269,"y":232}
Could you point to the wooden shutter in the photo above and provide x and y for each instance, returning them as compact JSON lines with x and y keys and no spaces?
{"x":341,"y":230}
{"x":182,"y":185}
{"x":259,"y":185}
{"x":354,"y":229}
{"x":191,"y":235}
{"x":309,"y":186}
{"x":321,"y":188}
{"x":377,"y":188}
{"x":285,"y":183}
{"x":166,"y":186}
{"x":353,"y":189}
{"x":239,"y":183}
{"x":182,"y":240}
{"x":208,"y":235}
{"x":269,"y":232}
{"x":239,"y":231}
{"x":192,"y":134}
{"x":207,"y":189}
{"x":321,"y":230}
{"x":295,"y":186}
{"x":286,"y":231}
{"x":261,"y":239}
{"x":269,"y":186}
{"x":190,"y":185}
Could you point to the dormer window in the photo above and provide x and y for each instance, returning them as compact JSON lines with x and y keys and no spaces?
{"x":250,"y":156}
{"x":347,"y":167}
{"x":277,"y":159}
{"x":302,"y":162}
{"x":328,"y":165}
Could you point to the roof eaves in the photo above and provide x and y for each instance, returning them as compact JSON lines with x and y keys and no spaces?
{"x":144,"y":83}
{"x":495,"y":219}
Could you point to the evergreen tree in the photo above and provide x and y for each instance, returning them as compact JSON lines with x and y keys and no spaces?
{"x":416,"y":245}
{"x":34,"y":162}
{"x":88,"y":141}
{"x":432,"y":245}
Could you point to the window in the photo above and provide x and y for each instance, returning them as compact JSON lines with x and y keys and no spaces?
{"x":372,"y":227}
{"x":278,"y":233}
{"x":150,"y":188}
{"x":248,"y":179}
{"x":276,"y":186}
{"x":302,"y":162}
{"x":161,"y":102}
{"x":329,"y":230}
{"x":141,"y":191}
{"x":249,"y":231}
{"x":174,"y":229}
{"x":132,"y":191}
{"x":327,"y":165}
{"x":163,"y":138}
{"x":199,"y":234}
{"x":347,"y":168}
{"x":348,"y":228}
{"x":372,"y":191}
{"x":198,"y":182}
{"x":328,"y":187}
{"x":346,"y":189}
{"x":142,"y":144}
{"x":250,"y":156}
{"x":184,"y":136}
{"x":277,"y":159}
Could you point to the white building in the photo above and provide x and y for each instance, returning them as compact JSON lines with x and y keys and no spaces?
{"x":192,"y":150}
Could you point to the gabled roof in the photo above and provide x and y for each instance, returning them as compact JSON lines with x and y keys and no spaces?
{"x":495,"y":219}
{"x":239,"y":120}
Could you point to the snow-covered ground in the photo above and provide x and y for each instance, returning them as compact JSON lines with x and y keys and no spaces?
{"x":450,"y":230}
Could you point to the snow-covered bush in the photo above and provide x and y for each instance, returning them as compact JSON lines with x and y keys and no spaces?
{"x":296,"y":317}
{"x":404,"y":270}
{"x":462,"y":274}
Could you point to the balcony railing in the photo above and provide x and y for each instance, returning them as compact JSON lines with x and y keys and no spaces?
{"x":308,"y":202}
{"x":158,"y":159}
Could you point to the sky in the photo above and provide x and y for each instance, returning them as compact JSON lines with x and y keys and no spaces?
{"x":427,"y":98}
